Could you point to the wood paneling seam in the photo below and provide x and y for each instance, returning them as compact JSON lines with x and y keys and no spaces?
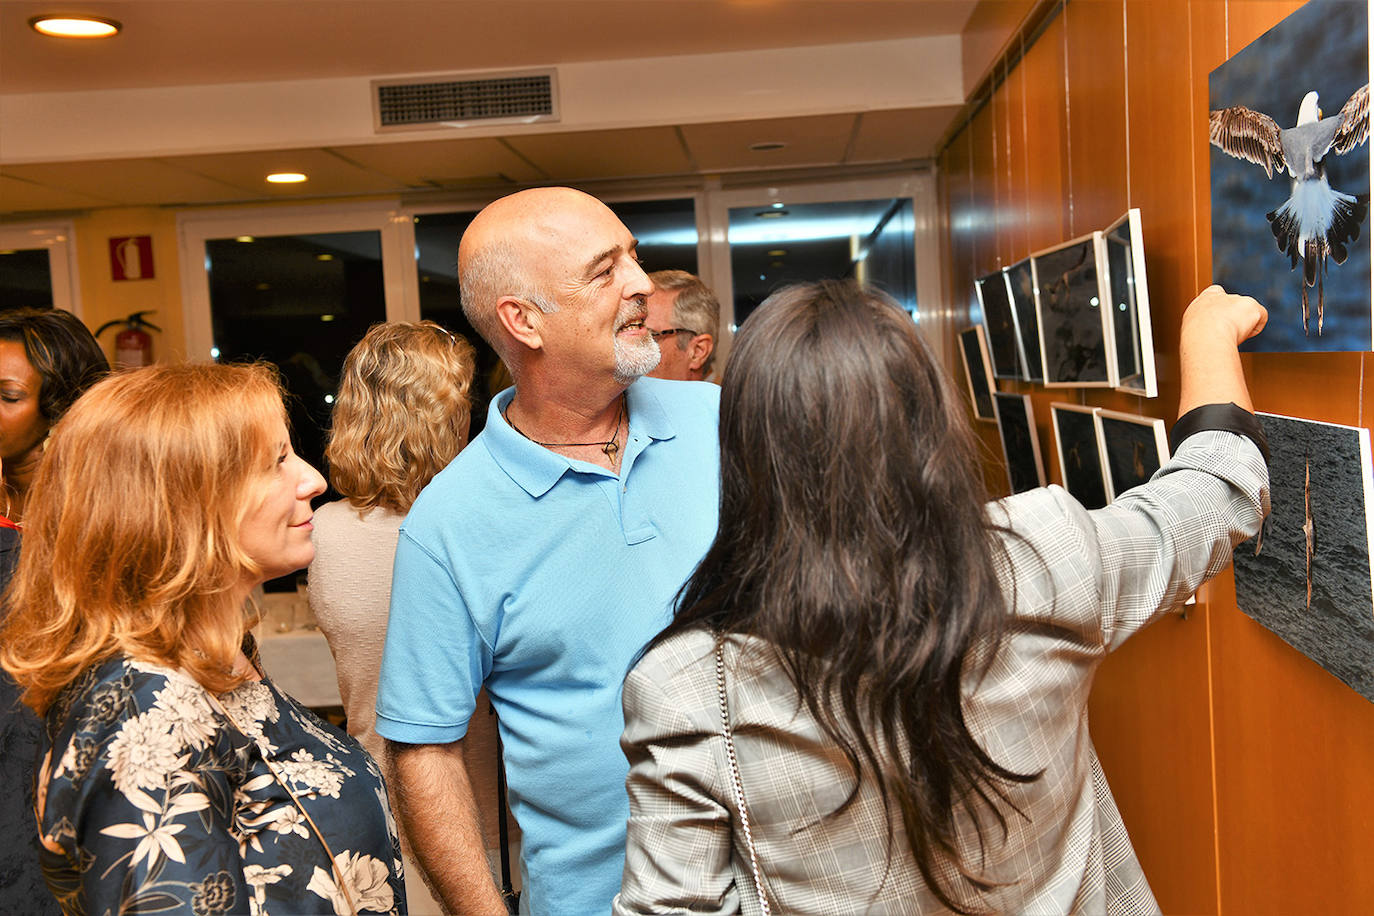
{"x":1068,"y":125}
{"x":1126,"y":89}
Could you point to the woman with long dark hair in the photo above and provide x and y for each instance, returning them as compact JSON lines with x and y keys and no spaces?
{"x":873,"y":695}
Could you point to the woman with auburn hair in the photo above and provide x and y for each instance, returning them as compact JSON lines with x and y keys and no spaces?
{"x":176,"y":775}
{"x":873,"y":696}
{"x":400,"y":417}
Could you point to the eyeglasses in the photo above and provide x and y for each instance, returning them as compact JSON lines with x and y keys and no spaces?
{"x":670,"y":332}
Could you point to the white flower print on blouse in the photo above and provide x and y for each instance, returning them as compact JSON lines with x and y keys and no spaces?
{"x":365,"y":878}
{"x":249,"y":706}
{"x":144,"y":753}
{"x":187,"y":712}
{"x":258,"y":878}
{"x":323,"y":777}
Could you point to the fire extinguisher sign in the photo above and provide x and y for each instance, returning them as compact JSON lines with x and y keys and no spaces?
{"x":131,"y":257}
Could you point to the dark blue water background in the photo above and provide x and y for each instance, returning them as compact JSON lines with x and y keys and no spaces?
{"x":1322,"y":46}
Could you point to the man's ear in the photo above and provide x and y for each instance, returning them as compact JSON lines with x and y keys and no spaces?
{"x":698,"y":350}
{"x":521,"y":320}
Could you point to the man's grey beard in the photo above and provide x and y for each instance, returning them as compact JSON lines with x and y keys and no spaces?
{"x":633,"y":360}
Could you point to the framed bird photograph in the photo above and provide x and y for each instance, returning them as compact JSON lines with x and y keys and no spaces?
{"x":1307,"y":576}
{"x":1000,"y":324}
{"x":1132,"y":449}
{"x":1080,"y":458}
{"x":1021,"y":289}
{"x":973,"y":347}
{"x":1129,"y":305}
{"x":1289,"y":128}
{"x":1020,"y":444}
{"x":1075,"y":336}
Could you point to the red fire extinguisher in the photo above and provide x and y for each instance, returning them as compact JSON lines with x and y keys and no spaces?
{"x":133,"y":345}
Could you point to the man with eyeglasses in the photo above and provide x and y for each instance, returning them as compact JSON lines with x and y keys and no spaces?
{"x":683,"y":317}
{"x":544,"y":557}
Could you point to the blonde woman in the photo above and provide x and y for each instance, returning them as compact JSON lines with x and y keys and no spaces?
{"x":176,"y":775}
{"x":401,"y":415}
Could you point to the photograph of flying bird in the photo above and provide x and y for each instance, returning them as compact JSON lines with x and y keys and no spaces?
{"x":1317,"y":221}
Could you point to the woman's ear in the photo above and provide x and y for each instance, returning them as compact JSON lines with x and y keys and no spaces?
{"x":521,"y":321}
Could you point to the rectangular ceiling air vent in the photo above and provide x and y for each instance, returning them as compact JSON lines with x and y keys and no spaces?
{"x":517,"y":97}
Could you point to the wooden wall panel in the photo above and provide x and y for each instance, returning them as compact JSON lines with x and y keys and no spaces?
{"x":1240,"y":767}
{"x":1046,"y":138}
{"x":984,"y":205}
{"x":1016,"y":223}
{"x":1096,"y":66}
{"x":1003,"y":216}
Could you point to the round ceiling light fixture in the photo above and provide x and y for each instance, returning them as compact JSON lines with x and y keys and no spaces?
{"x":75,"y":26}
{"x":286,"y":178}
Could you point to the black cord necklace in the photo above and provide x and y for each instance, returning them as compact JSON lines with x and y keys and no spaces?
{"x":609,"y":447}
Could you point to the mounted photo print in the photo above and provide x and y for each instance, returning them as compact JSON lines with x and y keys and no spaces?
{"x":973,"y":347}
{"x":1307,"y":577}
{"x":1075,"y":336}
{"x":1129,"y":306}
{"x":1080,"y":458}
{"x":1020,"y":445}
{"x":1021,"y":289}
{"x":1132,"y":448}
{"x":1289,"y":128}
{"x":1000,"y":323}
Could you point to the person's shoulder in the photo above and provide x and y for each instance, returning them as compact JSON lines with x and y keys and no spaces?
{"x":683,"y":656}
{"x":705,"y":394}
{"x":464,"y":481}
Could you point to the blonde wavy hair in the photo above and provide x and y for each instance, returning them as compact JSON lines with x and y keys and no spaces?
{"x":401,"y":414}
{"x":131,"y":536}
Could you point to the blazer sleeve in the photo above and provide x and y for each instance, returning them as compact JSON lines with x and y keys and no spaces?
{"x":1107,"y":573}
{"x":679,"y":835}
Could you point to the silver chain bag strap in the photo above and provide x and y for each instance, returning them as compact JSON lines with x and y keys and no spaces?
{"x":738,"y":785}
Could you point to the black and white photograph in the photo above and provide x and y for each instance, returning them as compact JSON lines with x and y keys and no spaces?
{"x":1000,"y":324}
{"x":1289,"y":127}
{"x":1132,"y":334}
{"x":1020,"y":445}
{"x":973,"y":347}
{"x":1080,"y":458}
{"x":1132,"y":447}
{"x":1307,"y":577}
{"x":1021,"y":288}
{"x":1075,"y":340}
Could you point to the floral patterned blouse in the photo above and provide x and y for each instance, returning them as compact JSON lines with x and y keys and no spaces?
{"x":151,"y":798}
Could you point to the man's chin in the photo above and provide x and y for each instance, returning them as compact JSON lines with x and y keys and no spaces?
{"x":635,"y":363}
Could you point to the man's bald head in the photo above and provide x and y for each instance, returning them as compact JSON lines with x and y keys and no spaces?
{"x":502,"y":248}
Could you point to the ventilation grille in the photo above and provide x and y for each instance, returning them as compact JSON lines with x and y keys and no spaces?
{"x":519,"y":97}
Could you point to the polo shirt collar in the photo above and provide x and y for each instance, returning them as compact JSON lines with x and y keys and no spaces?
{"x":535,"y":468}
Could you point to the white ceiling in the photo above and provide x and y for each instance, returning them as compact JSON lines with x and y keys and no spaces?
{"x":200,"y":46}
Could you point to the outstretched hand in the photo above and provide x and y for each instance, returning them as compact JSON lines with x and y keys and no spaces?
{"x":1214,"y":325}
{"x":1219,"y":314}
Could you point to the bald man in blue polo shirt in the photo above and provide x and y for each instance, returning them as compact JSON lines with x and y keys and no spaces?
{"x":545,"y":556}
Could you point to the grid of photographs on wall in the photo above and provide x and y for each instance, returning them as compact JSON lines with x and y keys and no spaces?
{"x":1075,"y":336}
{"x":973,"y":347}
{"x":1080,"y":456}
{"x":1129,"y":306}
{"x":1307,"y":576}
{"x":1132,"y":447}
{"x":1020,"y":445}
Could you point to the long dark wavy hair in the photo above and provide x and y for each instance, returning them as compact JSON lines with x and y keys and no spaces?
{"x":853,"y":539}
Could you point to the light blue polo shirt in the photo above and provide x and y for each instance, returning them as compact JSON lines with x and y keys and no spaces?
{"x":542,"y":578}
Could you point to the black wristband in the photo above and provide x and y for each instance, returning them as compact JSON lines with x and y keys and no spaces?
{"x":1230,"y":418}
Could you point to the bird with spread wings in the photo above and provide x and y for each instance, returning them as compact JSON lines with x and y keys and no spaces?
{"x":1317,"y":221}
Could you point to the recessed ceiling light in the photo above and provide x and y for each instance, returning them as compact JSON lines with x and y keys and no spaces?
{"x":777,"y":252}
{"x":326,"y":317}
{"x":771,"y":214}
{"x":767,"y":146}
{"x":778,"y":205}
{"x":75,"y":26}
{"x":324,"y":257}
{"x":243,"y":238}
{"x":286,"y":178}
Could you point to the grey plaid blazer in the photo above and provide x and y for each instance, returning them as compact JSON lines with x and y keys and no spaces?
{"x":1099,"y":576}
